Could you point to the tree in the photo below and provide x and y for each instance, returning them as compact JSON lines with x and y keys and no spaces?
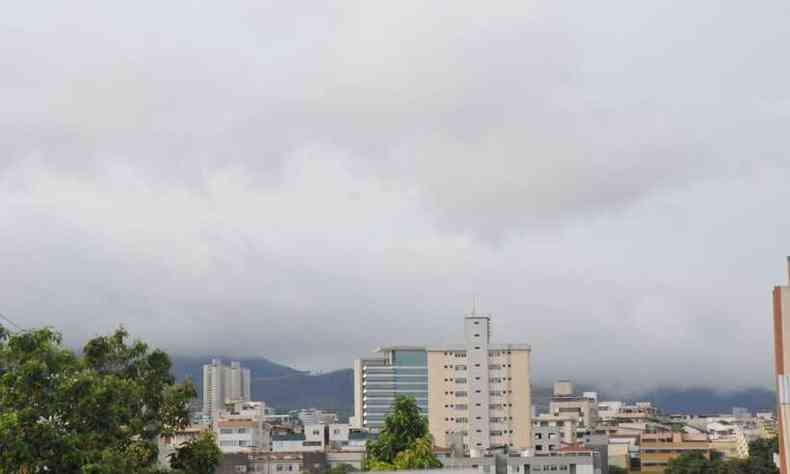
{"x":761,"y":457}
{"x":690,"y":463}
{"x":404,"y":442}
{"x":617,"y":470}
{"x":98,"y":412}
{"x":418,"y":456}
{"x":198,"y":456}
{"x":341,"y":469}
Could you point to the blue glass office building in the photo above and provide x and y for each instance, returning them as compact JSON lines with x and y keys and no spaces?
{"x":400,"y":371}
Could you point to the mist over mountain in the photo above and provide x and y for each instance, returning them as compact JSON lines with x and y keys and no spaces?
{"x":285,"y":388}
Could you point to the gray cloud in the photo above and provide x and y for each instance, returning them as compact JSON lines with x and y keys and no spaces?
{"x":306,"y":181}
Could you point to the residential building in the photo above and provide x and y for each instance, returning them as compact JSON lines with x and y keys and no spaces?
{"x":575,"y":460}
{"x":477,"y":391}
{"x":320,"y":437}
{"x":781,"y":317}
{"x":618,"y":410}
{"x":551,"y":432}
{"x":564,"y":401}
{"x":568,"y":460}
{"x":242,"y":435}
{"x":480,"y":391}
{"x":273,"y":463}
{"x":657,"y":449}
{"x":619,"y":455}
{"x":169,"y":444}
{"x":312,"y":416}
{"x":222,"y":383}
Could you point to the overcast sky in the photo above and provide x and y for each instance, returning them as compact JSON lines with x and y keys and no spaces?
{"x":305,"y":182}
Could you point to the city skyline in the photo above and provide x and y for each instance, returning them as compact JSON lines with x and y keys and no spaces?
{"x":243,"y":180}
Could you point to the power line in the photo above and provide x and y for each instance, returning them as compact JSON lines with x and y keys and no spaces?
{"x":6,"y":318}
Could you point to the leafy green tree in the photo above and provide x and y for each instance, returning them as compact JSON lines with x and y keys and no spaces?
{"x":198,"y":456}
{"x":404,"y":442}
{"x":617,"y":470}
{"x":690,"y":463}
{"x":98,"y":412}
{"x":341,"y":469}
{"x":418,"y":456}
{"x":761,"y":458}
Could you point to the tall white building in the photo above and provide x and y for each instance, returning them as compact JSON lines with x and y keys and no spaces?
{"x":222,"y":383}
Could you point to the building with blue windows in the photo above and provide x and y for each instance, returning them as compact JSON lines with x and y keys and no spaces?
{"x":378,"y":380}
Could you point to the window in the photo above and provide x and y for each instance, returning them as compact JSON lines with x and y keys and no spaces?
{"x":279,"y":467}
{"x":241,"y":469}
{"x":460,"y":380}
{"x":460,"y":367}
{"x":460,"y":394}
{"x":477,"y":348}
{"x":242,"y":430}
{"x":225,"y":431}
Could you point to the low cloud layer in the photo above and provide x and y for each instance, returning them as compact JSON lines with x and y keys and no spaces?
{"x":306,"y":182}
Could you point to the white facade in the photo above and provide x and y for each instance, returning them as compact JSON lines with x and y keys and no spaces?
{"x":319,"y":437}
{"x":313,"y":416}
{"x":476,"y":339}
{"x":236,"y":436}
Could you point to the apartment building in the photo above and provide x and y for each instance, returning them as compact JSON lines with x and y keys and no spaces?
{"x":657,"y":449}
{"x":618,"y":410}
{"x":781,"y":316}
{"x":242,"y":435}
{"x":168,"y":444}
{"x":320,"y":437}
{"x":312,"y":416}
{"x":565,"y":402}
{"x":552,"y":431}
{"x":476,"y":393}
{"x":222,"y":383}
{"x":274,"y":463}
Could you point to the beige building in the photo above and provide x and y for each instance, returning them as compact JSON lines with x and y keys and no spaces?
{"x":657,"y":449}
{"x":476,"y":395}
{"x":480,"y":392}
{"x":781,"y":309}
{"x":564,"y":402}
